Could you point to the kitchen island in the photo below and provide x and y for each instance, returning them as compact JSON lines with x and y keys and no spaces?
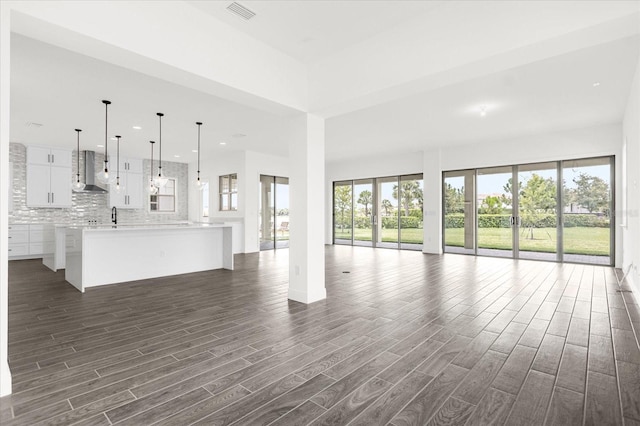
{"x":101,"y":255}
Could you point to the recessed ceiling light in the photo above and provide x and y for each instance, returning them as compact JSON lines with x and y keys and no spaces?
{"x":177,"y":156}
{"x":100,"y":146}
{"x":238,"y":135}
{"x":137,"y":127}
{"x":223,"y":143}
{"x":113,"y":139}
{"x":194,"y":150}
{"x":596,"y":84}
{"x":32,"y":124}
{"x":483,"y":110}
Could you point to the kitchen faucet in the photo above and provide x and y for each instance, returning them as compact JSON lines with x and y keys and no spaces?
{"x":114,"y":215}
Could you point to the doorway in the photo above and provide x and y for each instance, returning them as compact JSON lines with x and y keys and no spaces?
{"x":274,"y":212}
{"x":556,"y":211}
{"x":384,"y":212}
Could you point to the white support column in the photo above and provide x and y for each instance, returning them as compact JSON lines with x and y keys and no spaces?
{"x":5,"y":86}
{"x":432,"y":174}
{"x":306,"y":244}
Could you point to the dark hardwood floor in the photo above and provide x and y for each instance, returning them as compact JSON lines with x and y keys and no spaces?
{"x":402,"y":338}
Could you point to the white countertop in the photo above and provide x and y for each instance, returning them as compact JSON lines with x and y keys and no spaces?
{"x":150,"y":226}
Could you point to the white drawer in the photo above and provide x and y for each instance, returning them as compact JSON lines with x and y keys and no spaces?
{"x":39,"y":235}
{"x":17,"y":237}
{"x":18,"y":250}
{"x":36,"y":248}
{"x":18,"y":227}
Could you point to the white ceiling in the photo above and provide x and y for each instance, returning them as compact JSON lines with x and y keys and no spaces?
{"x":310,"y":30}
{"x":62,"y":90}
{"x":549,"y":95}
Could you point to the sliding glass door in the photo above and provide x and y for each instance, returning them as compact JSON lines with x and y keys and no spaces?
{"x":495,"y":206}
{"x":557,"y":211}
{"x":537,"y":211}
{"x":363,"y":217}
{"x":274,"y":212}
{"x":458,"y":191}
{"x":381,"y":212}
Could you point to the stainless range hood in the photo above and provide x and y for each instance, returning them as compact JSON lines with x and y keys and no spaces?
{"x":90,"y":175}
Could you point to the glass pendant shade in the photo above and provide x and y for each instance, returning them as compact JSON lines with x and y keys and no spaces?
{"x":78,"y":185}
{"x":160,"y":181}
{"x":198,"y":182}
{"x":103,"y":175}
{"x":118,"y":187}
{"x":152,"y":189}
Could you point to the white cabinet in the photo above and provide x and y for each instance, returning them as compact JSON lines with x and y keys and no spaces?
{"x":49,"y":156}
{"x":48,"y":177}
{"x":131,"y":196}
{"x":30,"y":241}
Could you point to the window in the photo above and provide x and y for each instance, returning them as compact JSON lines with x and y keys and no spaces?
{"x":165,"y":200}
{"x":229,"y":192}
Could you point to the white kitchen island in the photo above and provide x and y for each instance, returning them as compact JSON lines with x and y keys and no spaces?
{"x":100,"y":255}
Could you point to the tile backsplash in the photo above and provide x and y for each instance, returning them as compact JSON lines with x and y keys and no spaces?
{"x":94,"y":207}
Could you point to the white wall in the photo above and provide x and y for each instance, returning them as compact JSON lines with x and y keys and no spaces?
{"x":631,"y":186}
{"x":249,"y":166}
{"x":5,"y":88}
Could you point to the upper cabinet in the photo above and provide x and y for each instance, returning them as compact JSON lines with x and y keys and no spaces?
{"x":48,"y":177}
{"x":49,"y":156}
{"x":131,"y":194}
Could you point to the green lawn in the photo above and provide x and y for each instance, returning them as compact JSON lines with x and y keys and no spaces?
{"x":590,"y":241}
{"x":409,"y":235}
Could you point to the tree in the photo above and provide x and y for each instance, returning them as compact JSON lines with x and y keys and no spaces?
{"x":387,"y":206}
{"x":537,"y":197}
{"x":592,"y":193}
{"x":453,"y":199}
{"x":410,"y":191}
{"x":365,"y":199}
{"x":491,"y":205}
{"x":342,"y":200}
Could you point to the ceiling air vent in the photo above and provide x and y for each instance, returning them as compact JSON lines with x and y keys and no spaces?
{"x":241,"y":11}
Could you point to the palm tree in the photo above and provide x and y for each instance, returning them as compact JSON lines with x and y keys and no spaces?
{"x":409,"y":192}
{"x":365,"y":199}
{"x":386,"y":205}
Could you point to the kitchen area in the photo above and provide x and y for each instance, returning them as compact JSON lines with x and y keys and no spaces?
{"x":115,"y":230}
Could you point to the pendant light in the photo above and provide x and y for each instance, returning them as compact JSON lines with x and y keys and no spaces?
{"x":151,"y":187}
{"x":160,"y":181}
{"x":199,"y":184}
{"x":103,"y":175}
{"x":78,"y":185}
{"x":118,"y":186}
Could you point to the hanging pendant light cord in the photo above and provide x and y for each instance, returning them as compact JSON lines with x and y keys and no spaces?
{"x":160,"y":152}
{"x":118,"y":161}
{"x":199,"y":124}
{"x":106,"y":138}
{"x":78,"y":157}
{"x":151,"y":169}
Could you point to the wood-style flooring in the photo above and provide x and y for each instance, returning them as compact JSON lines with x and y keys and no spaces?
{"x":403,"y":338}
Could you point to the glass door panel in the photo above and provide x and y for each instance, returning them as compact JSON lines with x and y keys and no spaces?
{"x":281,"y":222}
{"x":387,"y":212}
{"x":411,"y":201}
{"x":459,"y":212}
{"x":267,"y":212}
{"x":537,"y":211}
{"x":363,"y":212}
{"x":586,"y":210}
{"x":342,"y":213}
{"x":494,"y":211}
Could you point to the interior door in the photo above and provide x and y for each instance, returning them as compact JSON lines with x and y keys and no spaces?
{"x":364,"y":219}
{"x":496,"y":209}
